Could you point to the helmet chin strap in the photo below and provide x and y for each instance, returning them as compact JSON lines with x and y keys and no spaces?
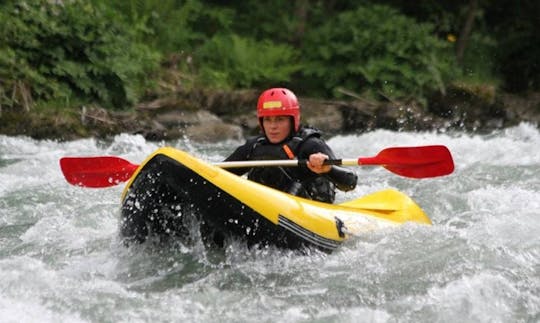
{"x":293,"y":126}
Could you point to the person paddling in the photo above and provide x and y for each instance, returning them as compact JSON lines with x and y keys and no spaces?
{"x":283,"y":137}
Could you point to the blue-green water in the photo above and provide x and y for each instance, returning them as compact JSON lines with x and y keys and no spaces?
{"x":61,"y":259}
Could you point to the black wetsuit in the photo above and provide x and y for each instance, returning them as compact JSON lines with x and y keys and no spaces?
{"x":299,"y":180}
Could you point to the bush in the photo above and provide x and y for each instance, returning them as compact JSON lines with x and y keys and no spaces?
{"x":377,"y":51}
{"x":173,"y":26}
{"x":230,"y":61}
{"x":70,"y":51}
{"x":478,"y":61}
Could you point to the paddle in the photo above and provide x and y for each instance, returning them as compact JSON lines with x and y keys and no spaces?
{"x":413,"y":162}
{"x":101,"y":171}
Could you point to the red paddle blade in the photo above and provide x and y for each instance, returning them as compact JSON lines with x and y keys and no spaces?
{"x":414,"y":162}
{"x":96,"y":171}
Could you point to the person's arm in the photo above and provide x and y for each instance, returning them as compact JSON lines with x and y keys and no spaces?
{"x":344,"y":178}
{"x":240,"y":154}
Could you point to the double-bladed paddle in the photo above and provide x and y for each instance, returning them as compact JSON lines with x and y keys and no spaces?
{"x":413,"y":162}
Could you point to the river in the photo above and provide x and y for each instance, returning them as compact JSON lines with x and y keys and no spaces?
{"x":61,"y":259}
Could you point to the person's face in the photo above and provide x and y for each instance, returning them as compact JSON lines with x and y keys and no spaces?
{"x":277,"y":128}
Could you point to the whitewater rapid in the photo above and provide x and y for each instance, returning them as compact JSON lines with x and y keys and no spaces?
{"x":61,"y":259}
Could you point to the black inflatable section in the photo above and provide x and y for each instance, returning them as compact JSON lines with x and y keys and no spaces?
{"x":167,"y":198}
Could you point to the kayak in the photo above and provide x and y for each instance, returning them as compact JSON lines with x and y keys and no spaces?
{"x":175,"y":195}
{"x":173,"y":190}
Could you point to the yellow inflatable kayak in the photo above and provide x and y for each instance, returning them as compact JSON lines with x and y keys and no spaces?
{"x":171,"y":190}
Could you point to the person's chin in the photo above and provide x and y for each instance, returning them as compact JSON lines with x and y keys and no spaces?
{"x":272,"y":138}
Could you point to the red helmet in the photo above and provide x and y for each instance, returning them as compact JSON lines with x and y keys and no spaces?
{"x":278,"y":102}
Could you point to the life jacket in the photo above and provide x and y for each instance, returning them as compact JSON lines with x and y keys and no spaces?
{"x":299,"y":180}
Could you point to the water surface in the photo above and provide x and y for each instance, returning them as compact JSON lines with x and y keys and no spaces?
{"x":61,"y":259}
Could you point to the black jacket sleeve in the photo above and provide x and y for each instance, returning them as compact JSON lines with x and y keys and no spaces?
{"x":240,"y":154}
{"x":344,"y":178}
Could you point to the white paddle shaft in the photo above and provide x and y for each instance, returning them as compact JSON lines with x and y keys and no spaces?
{"x":285,"y":163}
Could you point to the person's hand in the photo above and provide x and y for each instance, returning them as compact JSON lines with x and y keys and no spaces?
{"x":315,"y":163}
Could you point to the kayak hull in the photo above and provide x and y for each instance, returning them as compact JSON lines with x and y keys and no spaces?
{"x":172,"y":193}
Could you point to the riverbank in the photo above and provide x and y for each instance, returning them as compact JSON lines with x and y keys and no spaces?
{"x":214,"y":116}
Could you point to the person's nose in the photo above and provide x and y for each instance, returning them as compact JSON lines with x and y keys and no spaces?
{"x":272,"y":123}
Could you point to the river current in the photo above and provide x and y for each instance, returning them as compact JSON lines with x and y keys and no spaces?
{"x":61,"y":259}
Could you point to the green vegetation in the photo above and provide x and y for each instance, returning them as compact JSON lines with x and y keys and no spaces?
{"x":396,"y":60}
{"x":231,"y":61}
{"x":115,"y":53}
{"x":68,"y":53}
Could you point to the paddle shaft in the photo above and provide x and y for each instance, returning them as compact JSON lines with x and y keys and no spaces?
{"x":283,"y":163}
{"x":374,"y":161}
